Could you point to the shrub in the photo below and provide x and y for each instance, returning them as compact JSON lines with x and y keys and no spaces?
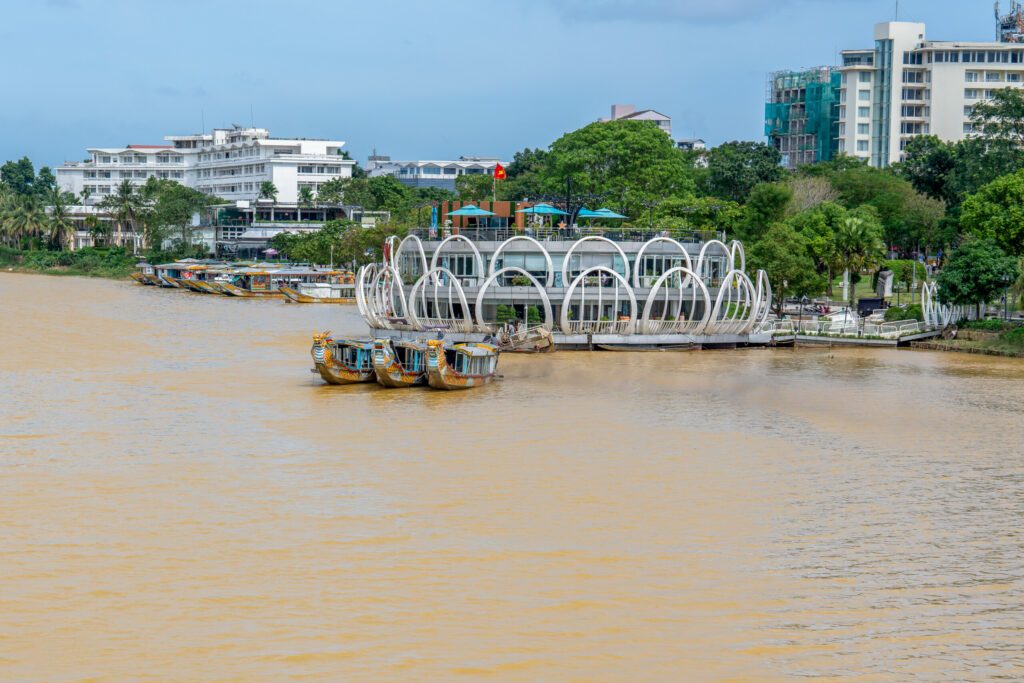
{"x":533,"y":315}
{"x":990,"y":325}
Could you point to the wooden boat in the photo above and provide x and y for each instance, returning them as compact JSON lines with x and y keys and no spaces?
{"x":235,"y":290}
{"x":462,"y":366}
{"x":400,"y":363}
{"x":524,"y":339}
{"x":297,"y":296}
{"x":343,"y":361}
{"x":151,"y":279}
{"x":139,"y":277}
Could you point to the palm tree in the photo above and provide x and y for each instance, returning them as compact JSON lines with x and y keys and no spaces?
{"x":268,"y":191}
{"x":62,"y":229}
{"x":26,"y":219}
{"x":6,"y":208}
{"x":305,"y":198}
{"x":858,"y":247}
{"x":124,"y":205}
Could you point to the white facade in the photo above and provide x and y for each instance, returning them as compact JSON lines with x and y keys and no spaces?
{"x":628,"y":112}
{"x":432,"y":173}
{"x":229,"y":163}
{"x":908,"y":86}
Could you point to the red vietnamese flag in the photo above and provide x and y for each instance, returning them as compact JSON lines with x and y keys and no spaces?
{"x":499,"y":172}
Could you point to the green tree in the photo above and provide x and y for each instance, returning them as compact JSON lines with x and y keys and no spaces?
{"x":45,"y":184}
{"x":474,"y":187}
{"x":332,"y":191}
{"x":26,"y":219}
{"x":977,"y":271}
{"x":61,"y":227}
{"x":818,"y":227}
{"x":928,"y":165}
{"x":629,"y":162}
{"x":268,"y":190}
{"x":698,"y":213}
{"x":735,"y":168}
{"x":306,"y":198}
{"x":858,"y":247}
{"x":766,"y":205}
{"x":525,"y":175}
{"x":125,"y":205}
{"x":782,"y":253}
{"x":1000,"y":119}
{"x":996,"y":212}
{"x":173,"y":212}
{"x":19,"y":176}
{"x":389,"y":194}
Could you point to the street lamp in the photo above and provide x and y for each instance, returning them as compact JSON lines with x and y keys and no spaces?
{"x":800,"y":319}
{"x":1006,"y":296}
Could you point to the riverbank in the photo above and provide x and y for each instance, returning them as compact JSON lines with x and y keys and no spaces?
{"x":1008,"y":343}
{"x":112,"y":263}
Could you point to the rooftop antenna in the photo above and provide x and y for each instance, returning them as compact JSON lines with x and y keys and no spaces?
{"x":897,"y":10}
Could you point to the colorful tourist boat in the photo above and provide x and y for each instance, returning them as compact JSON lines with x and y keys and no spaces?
{"x":400,"y":362}
{"x":461,"y":366}
{"x":320,"y":293}
{"x":343,"y":361}
{"x":140,"y":277}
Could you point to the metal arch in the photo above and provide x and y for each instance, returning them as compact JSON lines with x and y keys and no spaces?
{"x":550,"y":280}
{"x":549,"y":316}
{"x":764,"y":299}
{"x":401,"y":245}
{"x":645,"y":318}
{"x":733,"y":320}
{"x":736,"y":247}
{"x":446,"y":240}
{"x":726,"y":251}
{"x":564,"y":318}
{"x":640,"y":254}
{"x":389,"y":254}
{"x":415,"y":319}
{"x":593,"y":238}
{"x":384,"y":294}
{"x":362,"y":304}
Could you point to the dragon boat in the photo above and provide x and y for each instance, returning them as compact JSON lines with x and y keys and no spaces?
{"x":461,"y":366}
{"x":343,"y":361}
{"x":400,"y":363}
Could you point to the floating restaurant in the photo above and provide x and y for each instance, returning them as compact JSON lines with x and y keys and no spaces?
{"x":608,"y":288}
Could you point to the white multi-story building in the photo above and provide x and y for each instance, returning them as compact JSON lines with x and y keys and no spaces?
{"x":229,"y":162}
{"x":908,"y":86}
{"x":431,"y":173}
{"x":628,"y":112}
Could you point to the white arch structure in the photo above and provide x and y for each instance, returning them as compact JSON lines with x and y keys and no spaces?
{"x":611,"y":326}
{"x":451,"y":238}
{"x":640,"y":255}
{"x":549,"y":316}
{"x":418,"y":295}
{"x":396,"y":255}
{"x":593,"y":238}
{"x":550,"y":274}
{"x":688,"y":280}
{"x":741,"y":305}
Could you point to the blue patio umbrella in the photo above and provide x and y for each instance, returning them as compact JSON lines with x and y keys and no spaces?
{"x":543,"y":210}
{"x":587,"y":213}
{"x":608,"y":213}
{"x":470,"y":210}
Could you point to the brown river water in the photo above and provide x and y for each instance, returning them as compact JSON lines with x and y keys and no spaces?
{"x":182,"y":500}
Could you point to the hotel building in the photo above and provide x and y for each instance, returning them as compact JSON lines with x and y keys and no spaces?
{"x":231,"y":163}
{"x":441,"y":174}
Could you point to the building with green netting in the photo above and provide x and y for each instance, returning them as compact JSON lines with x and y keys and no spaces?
{"x":802,"y":114}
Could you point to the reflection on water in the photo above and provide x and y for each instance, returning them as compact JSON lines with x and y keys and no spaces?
{"x":182,"y":500}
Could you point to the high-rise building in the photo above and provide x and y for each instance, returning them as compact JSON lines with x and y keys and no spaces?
{"x":903,"y":87}
{"x":800,"y":114}
{"x":908,"y":86}
{"x":231,"y":163}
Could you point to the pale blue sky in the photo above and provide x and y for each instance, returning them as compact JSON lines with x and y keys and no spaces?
{"x":414,"y":78}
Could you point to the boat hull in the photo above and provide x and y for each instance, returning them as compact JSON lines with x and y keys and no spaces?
{"x":342,"y":375}
{"x":441,"y":375}
{"x":300,"y":298}
{"x":326,"y":352}
{"x":235,"y":290}
{"x":390,"y":372}
{"x":140,"y":278}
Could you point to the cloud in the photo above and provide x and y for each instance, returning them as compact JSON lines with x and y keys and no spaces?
{"x":702,"y":11}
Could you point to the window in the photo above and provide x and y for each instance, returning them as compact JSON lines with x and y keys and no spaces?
{"x":862,"y":145}
{"x":968,"y":110}
{"x":863,"y":128}
{"x":971,"y":94}
{"x":842,"y":129}
{"x":913,"y":77}
{"x":993,"y":77}
{"x":865,"y":77}
{"x":104,"y":160}
{"x":1013,"y":77}
{"x":968,"y":128}
{"x":842,"y":95}
{"x":842,"y":145}
{"x":430,"y":170}
{"x":912,"y":110}
{"x":842,"y":79}
{"x":305,"y":169}
{"x":913,"y":94}
{"x":864,"y":95}
{"x":912,"y":128}
{"x":842,"y":112}
{"x":864,"y":112}
{"x":972,"y":76}
{"x":912,"y":57}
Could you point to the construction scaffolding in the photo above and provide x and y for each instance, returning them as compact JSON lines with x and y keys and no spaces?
{"x":1010,"y":26}
{"x":801,"y":114}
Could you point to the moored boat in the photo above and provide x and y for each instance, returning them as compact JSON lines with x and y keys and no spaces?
{"x":139,"y":277}
{"x":400,"y":362}
{"x":461,"y":366}
{"x":320,"y":293}
{"x":343,"y":361}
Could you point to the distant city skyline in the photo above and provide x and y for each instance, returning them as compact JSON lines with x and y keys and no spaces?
{"x":415,"y":80}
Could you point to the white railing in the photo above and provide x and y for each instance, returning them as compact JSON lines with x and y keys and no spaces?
{"x":451,"y":324}
{"x":600,"y":327}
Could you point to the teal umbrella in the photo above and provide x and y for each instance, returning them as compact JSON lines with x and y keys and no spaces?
{"x":470,"y":210}
{"x":608,"y":213}
{"x":543,"y":210}
{"x":587,"y":213}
